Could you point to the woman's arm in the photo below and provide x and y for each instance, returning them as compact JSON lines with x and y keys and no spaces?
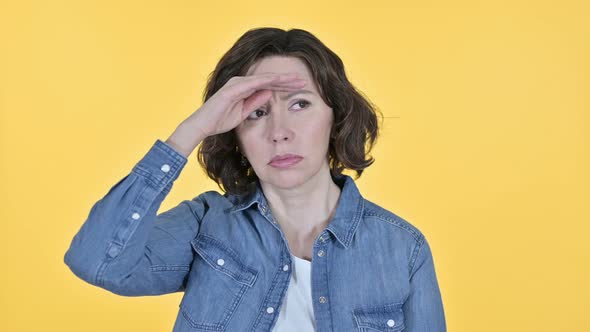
{"x":123,"y":246}
{"x":423,"y":309}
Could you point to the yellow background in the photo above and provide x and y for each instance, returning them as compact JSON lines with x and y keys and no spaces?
{"x":484,"y":148}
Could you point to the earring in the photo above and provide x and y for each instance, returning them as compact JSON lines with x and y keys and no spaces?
{"x":244,"y":161}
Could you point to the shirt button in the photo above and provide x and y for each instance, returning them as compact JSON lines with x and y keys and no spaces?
{"x":220,"y":262}
{"x":390,"y":323}
{"x":165,"y":168}
{"x":135,"y":216}
{"x":322,"y":299}
{"x":321,"y":253}
{"x":113,"y":251}
{"x":285,"y":267}
{"x":270,"y":310}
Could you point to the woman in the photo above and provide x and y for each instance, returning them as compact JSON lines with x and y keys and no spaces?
{"x":291,"y":245}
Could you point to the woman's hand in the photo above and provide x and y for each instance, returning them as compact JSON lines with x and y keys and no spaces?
{"x":229,"y":106}
{"x":239,"y":97}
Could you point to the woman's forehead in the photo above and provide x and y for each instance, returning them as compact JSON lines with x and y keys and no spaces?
{"x":279,"y":65}
{"x":284,"y":65}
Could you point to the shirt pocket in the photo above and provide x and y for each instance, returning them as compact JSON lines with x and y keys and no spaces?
{"x":217,"y":282}
{"x":388,"y":317}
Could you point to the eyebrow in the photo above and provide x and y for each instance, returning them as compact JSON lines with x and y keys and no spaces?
{"x":295,"y":93}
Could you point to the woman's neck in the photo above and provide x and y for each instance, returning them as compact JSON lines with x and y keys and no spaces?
{"x":307,"y":209}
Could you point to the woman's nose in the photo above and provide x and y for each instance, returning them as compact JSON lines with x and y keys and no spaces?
{"x":279,"y":128}
{"x":279,"y":133}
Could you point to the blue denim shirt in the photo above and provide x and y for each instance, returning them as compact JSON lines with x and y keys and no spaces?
{"x":371,"y":270}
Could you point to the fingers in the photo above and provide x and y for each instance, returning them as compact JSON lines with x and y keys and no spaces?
{"x":253,"y":102}
{"x":251,"y":84}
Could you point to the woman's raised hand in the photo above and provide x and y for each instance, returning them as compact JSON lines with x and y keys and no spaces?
{"x":229,"y":106}
{"x":240,"y":96}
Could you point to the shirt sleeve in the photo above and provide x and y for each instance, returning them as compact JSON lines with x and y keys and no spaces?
{"x":423,"y":309}
{"x":124,"y":246}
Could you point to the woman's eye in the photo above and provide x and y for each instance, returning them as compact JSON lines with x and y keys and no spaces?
{"x":258,"y":112}
{"x":304,"y":102}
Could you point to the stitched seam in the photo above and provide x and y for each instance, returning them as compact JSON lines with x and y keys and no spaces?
{"x":199,"y":220}
{"x":357,"y":218}
{"x":417,"y":251}
{"x":178,"y":158}
{"x":191,"y":322}
{"x":232,"y":309}
{"x":147,"y":175}
{"x":170,"y":267}
{"x":261,"y":310}
{"x":242,"y":268}
{"x":416,"y":235}
{"x":108,"y":261}
{"x":328,"y":288}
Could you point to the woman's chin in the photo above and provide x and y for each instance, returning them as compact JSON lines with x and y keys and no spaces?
{"x":291,"y":178}
{"x":284,"y":180}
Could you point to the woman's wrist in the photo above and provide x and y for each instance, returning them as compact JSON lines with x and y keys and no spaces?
{"x":186,"y":138}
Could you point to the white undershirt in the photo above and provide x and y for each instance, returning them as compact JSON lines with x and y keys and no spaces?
{"x":297,"y":310}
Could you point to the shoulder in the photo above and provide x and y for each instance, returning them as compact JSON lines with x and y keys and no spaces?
{"x":208,"y":202}
{"x":372,"y":212}
{"x":214,"y":199}
{"x":395,"y":230}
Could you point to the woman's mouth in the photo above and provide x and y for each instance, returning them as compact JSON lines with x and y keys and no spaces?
{"x":285,"y":162}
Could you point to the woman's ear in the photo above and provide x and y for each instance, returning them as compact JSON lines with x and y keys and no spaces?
{"x":237,"y":140}
{"x":240,"y":150}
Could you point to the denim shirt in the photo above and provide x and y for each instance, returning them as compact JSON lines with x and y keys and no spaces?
{"x":370,"y":271}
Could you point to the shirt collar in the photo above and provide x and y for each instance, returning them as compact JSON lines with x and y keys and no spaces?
{"x":349,"y":210}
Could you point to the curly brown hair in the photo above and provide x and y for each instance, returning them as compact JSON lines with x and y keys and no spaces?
{"x":355,"y":127}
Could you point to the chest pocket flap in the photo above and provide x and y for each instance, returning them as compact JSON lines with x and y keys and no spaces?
{"x":223,"y":259}
{"x":389,"y":317}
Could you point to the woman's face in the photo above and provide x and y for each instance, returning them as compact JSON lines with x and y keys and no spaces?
{"x":288,"y":123}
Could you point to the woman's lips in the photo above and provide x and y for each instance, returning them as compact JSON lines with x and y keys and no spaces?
{"x":285,"y":163}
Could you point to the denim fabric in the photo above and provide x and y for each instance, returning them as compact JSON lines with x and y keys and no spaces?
{"x":371,"y":270}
